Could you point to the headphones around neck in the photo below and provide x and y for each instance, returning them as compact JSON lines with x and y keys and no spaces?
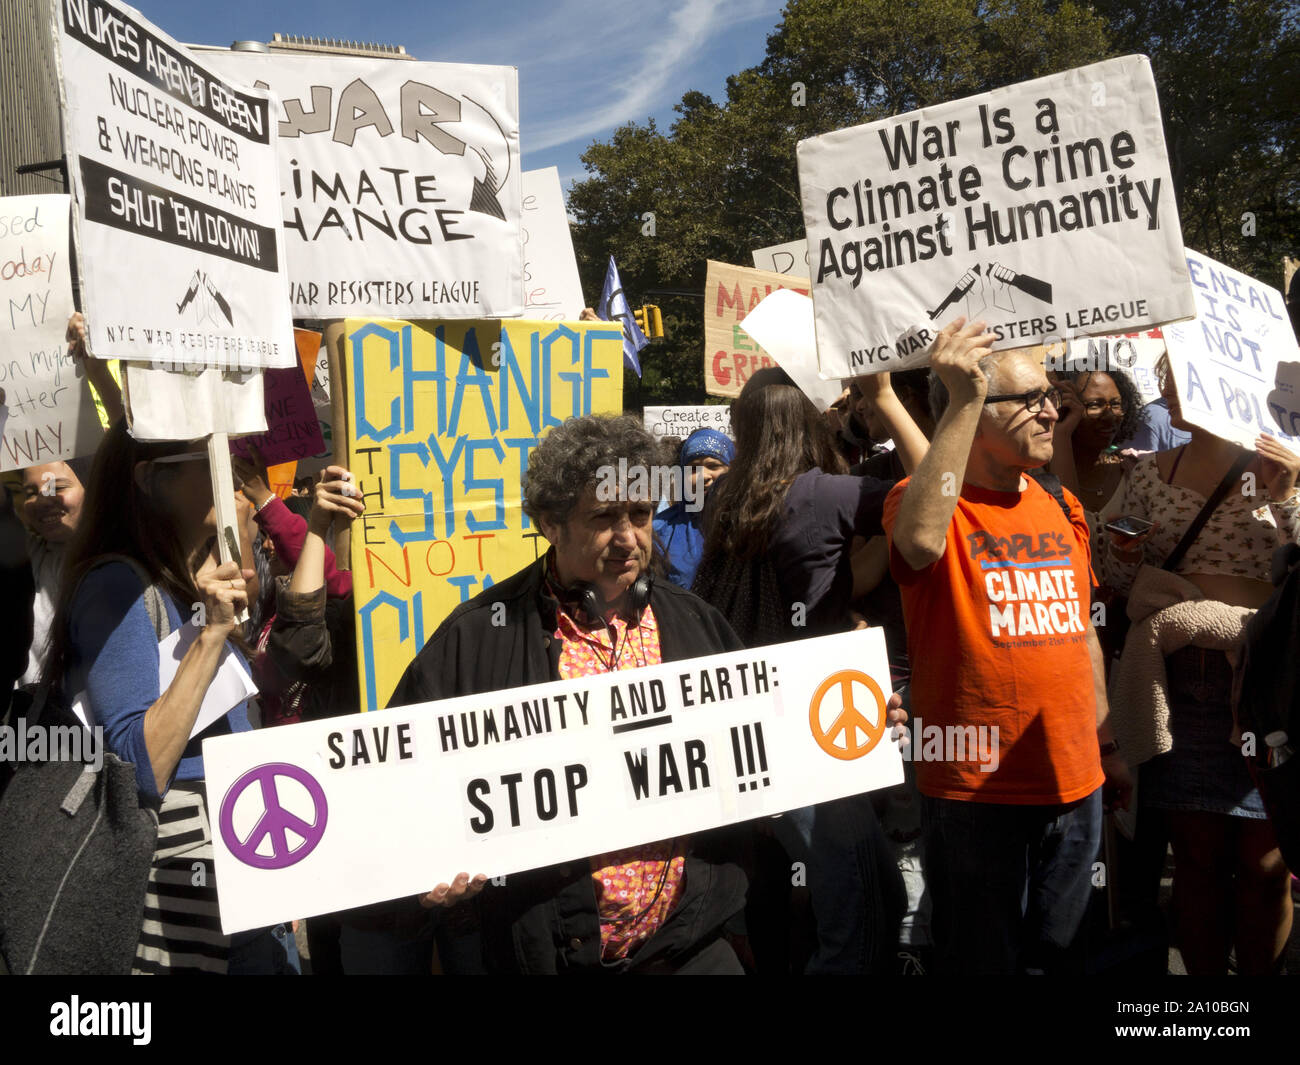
{"x":587,"y":597}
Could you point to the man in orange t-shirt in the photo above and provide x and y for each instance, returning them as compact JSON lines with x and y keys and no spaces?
{"x":1010,"y":739}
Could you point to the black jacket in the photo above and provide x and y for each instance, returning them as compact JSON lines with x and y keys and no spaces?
{"x":545,"y":920}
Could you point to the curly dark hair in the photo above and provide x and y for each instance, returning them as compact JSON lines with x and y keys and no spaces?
{"x":1135,"y":414}
{"x":568,"y":461}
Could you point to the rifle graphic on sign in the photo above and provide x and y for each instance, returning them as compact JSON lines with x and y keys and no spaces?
{"x":202,"y":289}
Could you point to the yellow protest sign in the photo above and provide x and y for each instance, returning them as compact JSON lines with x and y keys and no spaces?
{"x":442,"y":417}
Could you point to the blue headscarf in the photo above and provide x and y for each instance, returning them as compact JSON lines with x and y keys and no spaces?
{"x":707,"y":443}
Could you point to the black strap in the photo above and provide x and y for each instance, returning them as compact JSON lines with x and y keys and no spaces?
{"x":1211,"y":504}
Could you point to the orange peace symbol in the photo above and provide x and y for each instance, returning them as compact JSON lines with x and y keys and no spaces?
{"x":849,"y":720}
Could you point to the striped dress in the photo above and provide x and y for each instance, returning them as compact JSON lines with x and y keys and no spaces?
{"x":182,"y":930}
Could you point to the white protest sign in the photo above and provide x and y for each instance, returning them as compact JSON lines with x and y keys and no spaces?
{"x":176,"y":182}
{"x":682,"y":421}
{"x":46,"y":410}
{"x":327,"y":815}
{"x":782,"y":324}
{"x":401,"y":184}
{"x":552,"y":291}
{"x":172,"y":405}
{"x":1045,"y":209}
{"x":1135,"y":354}
{"x":789,"y":258}
{"x":1237,"y":366}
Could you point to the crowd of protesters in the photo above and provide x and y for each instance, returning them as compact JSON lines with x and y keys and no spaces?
{"x":969,"y":511}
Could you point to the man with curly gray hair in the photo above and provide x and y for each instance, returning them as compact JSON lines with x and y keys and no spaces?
{"x":589,"y":605}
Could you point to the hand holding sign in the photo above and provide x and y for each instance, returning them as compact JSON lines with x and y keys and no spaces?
{"x":955,"y":357}
{"x":461,"y":889}
{"x":335,"y":496}
{"x":1278,"y":467}
{"x":224,"y":593}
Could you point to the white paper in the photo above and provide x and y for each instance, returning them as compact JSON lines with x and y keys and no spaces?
{"x":230,"y":686}
{"x":174,"y":405}
{"x":782,"y":325}
{"x":1237,"y":366}
{"x":174,"y":172}
{"x":961,"y":209}
{"x":383,"y":805}
{"x":46,"y":410}
{"x":448,"y":134}
{"x":552,"y":291}
{"x":791,"y":258}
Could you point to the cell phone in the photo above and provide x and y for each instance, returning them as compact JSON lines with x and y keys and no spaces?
{"x":1129,"y":525}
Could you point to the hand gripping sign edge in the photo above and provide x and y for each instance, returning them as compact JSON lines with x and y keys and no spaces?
{"x":275,"y":818}
{"x":849,"y":719}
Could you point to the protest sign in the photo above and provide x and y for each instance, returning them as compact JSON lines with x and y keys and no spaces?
{"x":404,"y":799}
{"x":730,"y":293}
{"x":782,"y":324}
{"x":292,"y":431}
{"x":1135,"y":354}
{"x":682,"y":421}
{"x":552,"y":291}
{"x":401,"y":184}
{"x":176,"y":182}
{"x":442,"y":417}
{"x":166,"y":404}
{"x":46,"y":410}
{"x":789,"y":259}
{"x":1045,"y":209}
{"x":1237,"y":366}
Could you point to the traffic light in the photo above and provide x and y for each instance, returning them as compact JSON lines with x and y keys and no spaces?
{"x":640,"y":315}
{"x":656,"y":320}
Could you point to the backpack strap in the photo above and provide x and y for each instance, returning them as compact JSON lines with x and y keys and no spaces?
{"x":1050,"y":483}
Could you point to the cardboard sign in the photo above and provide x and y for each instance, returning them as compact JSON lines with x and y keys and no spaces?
{"x":552,"y":291}
{"x":292,"y":431}
{"x":175,"y":177}
{"x":682,"y":421}
{"x":442,"y":417}
{"x":333,"y":814}
{"x":789,"y":259}
{"x":1237,"y":367}
{"x":1045,"y":209}
{"x":401,"y":184}
{"x":730,"y":293}
{"x":46,"y":410}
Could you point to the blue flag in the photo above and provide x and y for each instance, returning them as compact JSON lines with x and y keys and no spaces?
{"x":613,"y":307}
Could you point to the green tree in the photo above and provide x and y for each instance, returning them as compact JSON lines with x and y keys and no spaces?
{"x":723,"y":180}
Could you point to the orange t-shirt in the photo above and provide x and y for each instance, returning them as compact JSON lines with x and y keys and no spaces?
{"x":996,"y":630}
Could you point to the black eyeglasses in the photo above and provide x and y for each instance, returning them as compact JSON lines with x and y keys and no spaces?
{"x":1033,"y":401}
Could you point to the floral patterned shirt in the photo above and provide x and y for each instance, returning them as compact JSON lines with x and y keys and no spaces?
{"x":636,"y":888}
{"x":1238,"y":540}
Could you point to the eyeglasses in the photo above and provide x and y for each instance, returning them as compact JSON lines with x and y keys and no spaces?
{"x":1033,"y":401}
{"x":1095,"y":408}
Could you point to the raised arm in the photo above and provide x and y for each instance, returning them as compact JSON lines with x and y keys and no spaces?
{"x":921,"y":531}
{"x":907,"y":436}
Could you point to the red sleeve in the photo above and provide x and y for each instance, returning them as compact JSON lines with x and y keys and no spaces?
{"x":287,"y":531}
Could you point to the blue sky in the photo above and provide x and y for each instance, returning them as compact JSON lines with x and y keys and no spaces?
{"x":585,"y":66}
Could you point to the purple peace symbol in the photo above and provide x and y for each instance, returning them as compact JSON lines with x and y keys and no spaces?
{"x":275,"y":818}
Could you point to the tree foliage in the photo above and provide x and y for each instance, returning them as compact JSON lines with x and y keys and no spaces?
{"x":723,"y":180}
